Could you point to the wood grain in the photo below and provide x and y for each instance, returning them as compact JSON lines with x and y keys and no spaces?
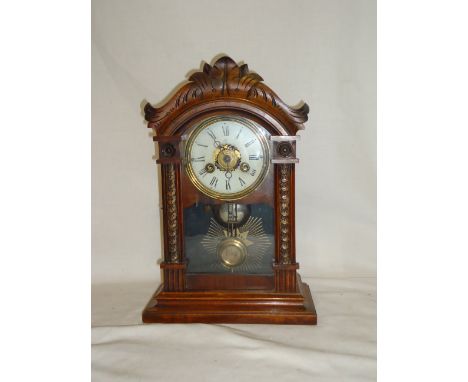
{"x":226,"y":88}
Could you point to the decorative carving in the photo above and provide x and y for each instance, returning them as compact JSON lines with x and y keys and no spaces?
{"x":285,"y":245}
{"x":168,"y":150}
{"x":226,"y":80}
{"x":284,"y":149}
{"x":171,"y":211}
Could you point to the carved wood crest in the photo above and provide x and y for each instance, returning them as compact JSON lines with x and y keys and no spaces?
{"x":225,"y":81}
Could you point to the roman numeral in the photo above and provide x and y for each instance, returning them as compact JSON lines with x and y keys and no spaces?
{"x":239,"y":132}
{"x":212,"y":135}
{"x":253,"y":172}
{"x":255,"y":157}
{"x":241,"y":181}
{"x":202,"y":172}
{"x":225,"y":130}
{"x":250,"y":143}
{"x":201,"y":145}
{"x":228,"y":185}
{"x":214,"y":181}
{"x":199,"y":159}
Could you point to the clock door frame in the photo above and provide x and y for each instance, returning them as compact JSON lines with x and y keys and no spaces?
{"x":228,"y":88}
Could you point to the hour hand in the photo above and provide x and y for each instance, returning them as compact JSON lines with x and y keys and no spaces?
{"x":215,"y":141}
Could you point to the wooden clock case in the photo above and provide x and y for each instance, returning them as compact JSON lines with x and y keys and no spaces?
{"x":227,"y":88}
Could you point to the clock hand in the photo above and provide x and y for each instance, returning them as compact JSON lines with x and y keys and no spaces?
{"x":215,"y":141}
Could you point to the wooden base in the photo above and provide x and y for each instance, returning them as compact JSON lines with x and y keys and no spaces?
{"x":236,"y":307}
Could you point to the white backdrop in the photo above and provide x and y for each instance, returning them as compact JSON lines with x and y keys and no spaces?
{"x":321,"y":52}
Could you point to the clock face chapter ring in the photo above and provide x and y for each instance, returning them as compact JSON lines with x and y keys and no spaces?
{"x":227,"y":157}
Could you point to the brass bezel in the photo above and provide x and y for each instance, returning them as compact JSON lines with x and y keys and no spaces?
{"x":225,"y":196}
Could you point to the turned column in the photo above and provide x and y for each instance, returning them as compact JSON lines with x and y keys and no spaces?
{"x":174,"y":265}
{"x":285,"y":267}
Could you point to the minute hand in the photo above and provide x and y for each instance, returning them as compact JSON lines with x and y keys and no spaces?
{"x":215,"y":141}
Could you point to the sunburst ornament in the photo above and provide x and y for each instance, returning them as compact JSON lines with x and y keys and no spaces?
{"x":252,"y":239}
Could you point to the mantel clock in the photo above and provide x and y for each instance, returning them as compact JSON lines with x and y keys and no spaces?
{"x":227,"y":150}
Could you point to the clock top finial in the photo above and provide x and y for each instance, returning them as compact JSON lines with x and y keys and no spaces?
{"x":226,"y":81}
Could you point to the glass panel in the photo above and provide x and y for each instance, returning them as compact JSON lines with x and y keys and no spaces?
{"x":229,"y":238}
{"x":227,"y":193}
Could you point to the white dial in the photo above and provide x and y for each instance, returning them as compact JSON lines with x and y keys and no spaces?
{"x":227,"y":157}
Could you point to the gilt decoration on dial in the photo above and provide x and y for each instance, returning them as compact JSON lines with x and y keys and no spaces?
{"x":227,"y":157}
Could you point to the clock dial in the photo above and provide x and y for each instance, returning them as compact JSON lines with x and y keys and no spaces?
{"x":227,"y":157}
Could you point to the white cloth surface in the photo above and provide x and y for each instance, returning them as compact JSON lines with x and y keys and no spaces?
{"x":342,"y":347}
